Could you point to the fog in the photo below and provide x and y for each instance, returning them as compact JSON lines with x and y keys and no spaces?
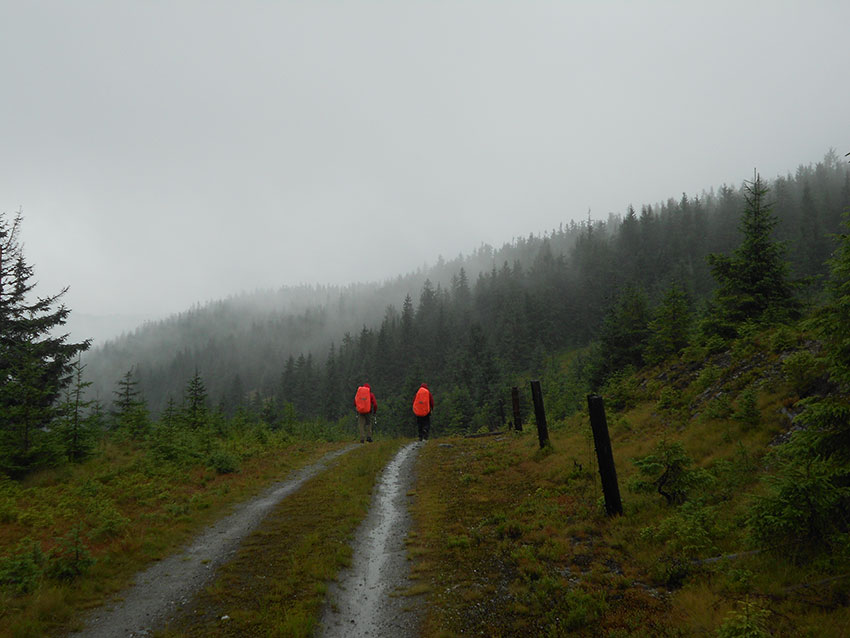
{"x":164,"y":154}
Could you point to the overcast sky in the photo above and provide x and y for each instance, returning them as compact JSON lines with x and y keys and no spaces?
{"x":171,"y":152}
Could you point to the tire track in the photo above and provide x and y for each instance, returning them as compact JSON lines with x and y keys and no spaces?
{"x":365,"y":600}
{"x":160,"y":590}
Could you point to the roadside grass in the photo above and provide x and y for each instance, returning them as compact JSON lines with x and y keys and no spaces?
{"x":276,"y":583}
{"x":71,"y":537}
{"x":511,"y":540}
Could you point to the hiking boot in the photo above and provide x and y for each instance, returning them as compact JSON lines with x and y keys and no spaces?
{"x":369,"y":439}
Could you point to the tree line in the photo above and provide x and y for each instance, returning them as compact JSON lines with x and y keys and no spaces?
{"x":635,"y":287}
{"x":617,"y":293}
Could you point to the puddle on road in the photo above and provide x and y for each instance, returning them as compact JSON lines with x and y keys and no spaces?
{"x":362,"y":601}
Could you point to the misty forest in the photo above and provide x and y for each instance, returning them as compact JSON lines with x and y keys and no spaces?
{"x":469,"y":326}
{"x":727,"y":307}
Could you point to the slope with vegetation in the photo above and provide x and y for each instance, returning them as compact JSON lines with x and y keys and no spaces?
{"x":721,"y":351}
{"x":467,"y":325}
{"x":511,"y":540}
{"x":733,"y":450}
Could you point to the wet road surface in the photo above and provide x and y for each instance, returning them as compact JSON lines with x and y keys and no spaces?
{"x":366,"y":599}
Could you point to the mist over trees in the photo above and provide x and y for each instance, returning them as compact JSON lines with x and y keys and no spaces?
{"x":719,"y":321}
{"x":610,"y":295}
{"x":467,"y":325}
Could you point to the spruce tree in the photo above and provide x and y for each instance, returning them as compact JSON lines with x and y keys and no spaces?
{"x":670,"y":327}
{"x":623,"y":335}
{"x":195,"y":402}
{"x":35,"y":364}
{"x":78,"y":425}
{"x":752,"y":283}
{"x":810,"y":495}
{"x":129,"y":411}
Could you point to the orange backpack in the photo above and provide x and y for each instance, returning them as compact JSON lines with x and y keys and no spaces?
{"x":363,"y":400}
{"x":422,"y":403}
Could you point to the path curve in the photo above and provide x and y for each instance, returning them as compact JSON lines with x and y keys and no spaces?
{"x":365,"y":600}
{"x":160,"y":590}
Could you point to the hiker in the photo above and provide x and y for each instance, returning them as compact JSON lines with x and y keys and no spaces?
{"x":366,"y":405}
{"x":423,"y":403}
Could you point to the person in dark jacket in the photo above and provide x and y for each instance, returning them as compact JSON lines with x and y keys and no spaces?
{"x":366,"y":406}
{"x":423,"y":403}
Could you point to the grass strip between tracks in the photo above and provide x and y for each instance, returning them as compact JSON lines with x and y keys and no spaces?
{"x":276,"y":583}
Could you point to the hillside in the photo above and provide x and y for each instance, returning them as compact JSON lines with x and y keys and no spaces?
{"x":513,"y":540}
{"x":466,"y":324}
{"x":509,"y":539}
{"x":729,"y":426}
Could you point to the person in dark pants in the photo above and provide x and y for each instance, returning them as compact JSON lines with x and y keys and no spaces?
{"x":366,"y":406}
{"x":423,"y":403}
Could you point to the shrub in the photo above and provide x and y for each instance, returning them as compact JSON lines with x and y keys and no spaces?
{"x":622,"y":389}
{"x":71,"y":559}
{"x":807,"y":500}
{"x":691,"y":531}
{"x":707,"y":377}
{"x":803,"y":371}
{"x":720,"y":407}
{"x":667,"y":471}
{"x":584,"y":608}
{"x":224,"y":462}
{"x":748,"y":621}
{"x":106,"y":520}
{"x":668,"y":398}
{"x":671,"y":571}
{"x":22,"y":572}
{"x":748,"y":413}
{"x":783,"y":339}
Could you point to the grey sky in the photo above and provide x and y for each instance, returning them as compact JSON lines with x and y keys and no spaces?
{"x":165,"y":153}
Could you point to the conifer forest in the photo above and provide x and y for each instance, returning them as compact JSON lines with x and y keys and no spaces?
{"x":731,"y":306}
{"x":470,"y":325}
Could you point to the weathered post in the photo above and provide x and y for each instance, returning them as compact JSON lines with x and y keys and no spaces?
{"x":604,"y":454}
{"x":539,"y":413}
{"x":515,"y":401}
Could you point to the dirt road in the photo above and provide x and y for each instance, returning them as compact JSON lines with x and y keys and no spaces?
{"x":366,"y":599}
{"x":169,"y":584}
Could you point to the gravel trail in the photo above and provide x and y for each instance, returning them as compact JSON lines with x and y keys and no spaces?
{"x":160,"y":590}
{"x":365,"y":600}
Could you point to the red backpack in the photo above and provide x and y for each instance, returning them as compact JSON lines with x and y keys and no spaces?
{"x":422,"y":402}
{"x":363,"y":400}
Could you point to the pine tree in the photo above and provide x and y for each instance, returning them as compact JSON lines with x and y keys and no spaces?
{"x":195,"y":402}
{"x":623,"y":335}
{"x":810,"y":494}
{"x":77,"y":428}
{"x":752,"y":284}
{"x":670,"y":327}
{"x":129,"y":411}
{"x":35,"y":366}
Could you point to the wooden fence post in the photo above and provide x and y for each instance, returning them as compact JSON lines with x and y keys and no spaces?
{"x":604,"y":454}
{"x":515,"y":401}
{"x":539,"y":413}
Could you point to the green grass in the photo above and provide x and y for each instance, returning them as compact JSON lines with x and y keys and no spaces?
{"x":124,"y":510}
{"x":512,"y":541}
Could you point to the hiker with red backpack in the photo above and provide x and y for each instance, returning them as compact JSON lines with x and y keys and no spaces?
{"x":423,"y":403}
{"x":366,"y":405}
